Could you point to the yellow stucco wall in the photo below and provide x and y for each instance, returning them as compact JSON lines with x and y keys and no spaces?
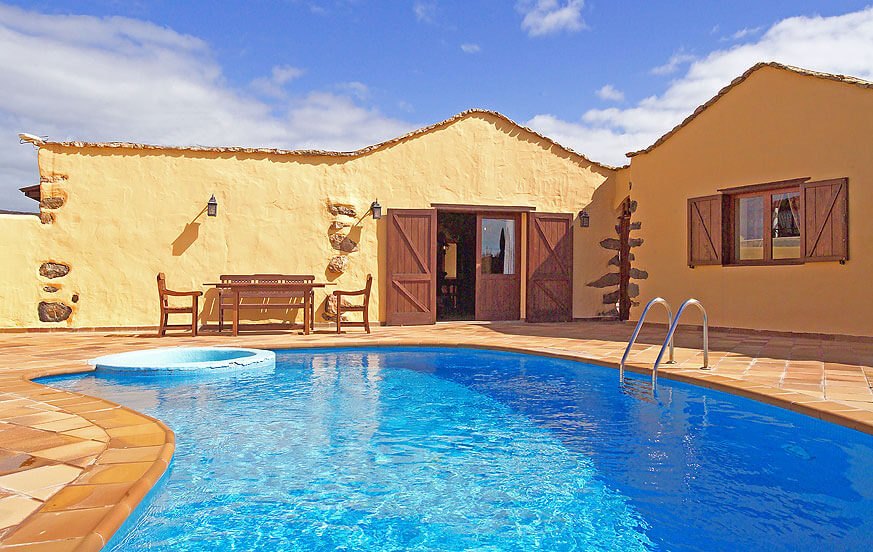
{"x":130,"y":213}
{"x":775,"y":125}
{"x":21,"y":254}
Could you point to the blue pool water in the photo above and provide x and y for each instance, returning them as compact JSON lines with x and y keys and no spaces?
{"x":453,"y":449}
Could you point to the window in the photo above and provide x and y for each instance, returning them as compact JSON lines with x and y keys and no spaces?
{"x":785,"y":222}
{"x":498,"y":246}
{"x":765,"y":226}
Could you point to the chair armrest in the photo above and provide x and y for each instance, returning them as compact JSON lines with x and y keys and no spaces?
{"x":339,"y":293}
{"x":183,"y":293}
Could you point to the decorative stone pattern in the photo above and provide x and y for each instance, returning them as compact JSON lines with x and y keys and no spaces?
{"x":613,"y":279}
{"x":343,"y":243}
{"x":336,"y":209}
{"x":53,"y":311}
{"x":51,"y":203}
{"x":338,"y":264}
{"x":46,"y":217}
{"x":339,"y":225}
{"x":50,"y":289}
{"x":53,"y":270}
{"x":329,"y":313}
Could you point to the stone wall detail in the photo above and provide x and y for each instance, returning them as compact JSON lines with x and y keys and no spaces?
{"x":611,"y":280}
{"x":338,"y":264}
{"x":52,"y":197}
{"x":329,"y":313}
{"x":51,"y":269}
{"x":343,"y":243}
{"x":53,"y":311}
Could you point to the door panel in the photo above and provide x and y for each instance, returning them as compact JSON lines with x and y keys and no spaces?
{"x":550,"y":267}
{"x":498,"y":267}
{"x":411,"y":294}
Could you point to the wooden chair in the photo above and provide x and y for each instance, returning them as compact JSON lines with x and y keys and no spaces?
{"x":164,"y":294}
{"x":295,"y":299}
{"x":364,"y":308}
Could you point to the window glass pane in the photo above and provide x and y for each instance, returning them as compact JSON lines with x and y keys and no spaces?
{"x":498,"y":246}
{"x":750,"y":228}
{"x":785,"y":225}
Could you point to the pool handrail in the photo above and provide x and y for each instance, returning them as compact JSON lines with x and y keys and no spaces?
{"x":673,"y":330}
{"x":649,"y":305}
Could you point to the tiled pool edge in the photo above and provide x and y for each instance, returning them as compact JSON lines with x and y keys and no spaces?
{"x":34,"y":532}
{"x":74,"y":518}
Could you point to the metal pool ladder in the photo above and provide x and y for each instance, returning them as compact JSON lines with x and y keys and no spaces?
{"x":673,"y":322}
{"x":656,"y":300}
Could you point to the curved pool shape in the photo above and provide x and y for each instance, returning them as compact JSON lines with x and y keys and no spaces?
{"x":185,"y":360}
{"x":453,"y":449}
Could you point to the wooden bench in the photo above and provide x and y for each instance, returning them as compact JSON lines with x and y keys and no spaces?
{"x":295,"y":299}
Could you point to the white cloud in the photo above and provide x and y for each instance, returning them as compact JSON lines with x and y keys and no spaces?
{"x":470,"y":48}
{"x":274,"y":85}
{"x":610,"y":93}
{"x":542,"y":17}
{"x":355,"y":88}
{"x":742,"y":33}
{"x":838,"y":44}
{"x":103,"y":79}
{"x":672,"y":65}
{"x":425,"y":12}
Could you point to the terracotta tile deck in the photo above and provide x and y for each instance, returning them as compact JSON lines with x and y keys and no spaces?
{"x":72,"y":468}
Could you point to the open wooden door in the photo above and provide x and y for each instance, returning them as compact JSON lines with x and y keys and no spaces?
{"x":411,"y":295}
{"x":498,"y":266}
{"x":550,"y":267}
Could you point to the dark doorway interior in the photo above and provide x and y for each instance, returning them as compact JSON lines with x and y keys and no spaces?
{"x":456,"y":266}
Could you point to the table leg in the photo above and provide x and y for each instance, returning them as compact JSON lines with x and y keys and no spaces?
{"x":235,"y":312}
{"x":307,"y":304}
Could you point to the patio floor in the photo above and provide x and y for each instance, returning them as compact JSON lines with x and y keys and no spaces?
{"x":72,"y":468}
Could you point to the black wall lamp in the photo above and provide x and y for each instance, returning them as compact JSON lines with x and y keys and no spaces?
{"x":584,"y":220}
{"x":211,"y":206}
{"x":376,"y":209}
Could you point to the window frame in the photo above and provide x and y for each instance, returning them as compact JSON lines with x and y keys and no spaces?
{"x":766,"y":192}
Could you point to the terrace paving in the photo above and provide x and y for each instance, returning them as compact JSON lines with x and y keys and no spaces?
{"x":72,"y":467}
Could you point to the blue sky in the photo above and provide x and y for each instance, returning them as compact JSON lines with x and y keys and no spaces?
{"x":601,"y":77}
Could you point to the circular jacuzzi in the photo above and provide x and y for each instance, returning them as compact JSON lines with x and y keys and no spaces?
{"x":186,"y":360}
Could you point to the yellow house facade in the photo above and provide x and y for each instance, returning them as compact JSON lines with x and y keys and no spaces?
{"x":114,"y":215}
{"x":744,"y":206}
{"x":797,"y":142}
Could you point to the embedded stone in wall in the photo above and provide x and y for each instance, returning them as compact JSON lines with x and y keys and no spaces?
{"x":638,"y":274}
{"x":635,"y":242}
{"x":336,"y":209}
{"x":607,"y":280}
{"x":50,"y":289}
{"x":633,"y":290}
{"x":343,"y":243}
{"x":610,"y":243}
{"x":51,"y":202}
{"x":338,"y":264}
{"x":53,"y":311}
{"x":615,"y":261}
{"x":339,"y":225}
{"x":46,"y":218}
{"x":633,"y":226}
{"x":329,"y":313}
{"x":54,"y":270}
{"x":610,"y":298}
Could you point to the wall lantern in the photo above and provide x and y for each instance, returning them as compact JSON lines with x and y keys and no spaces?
{"x":376,"y":209}
{"x":584,"y":221}
{"x":212,"y":206}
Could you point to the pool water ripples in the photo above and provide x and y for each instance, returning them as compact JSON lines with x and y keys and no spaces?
{"x":453,"y":449}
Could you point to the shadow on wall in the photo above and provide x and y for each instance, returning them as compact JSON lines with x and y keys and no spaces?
{"x":186,"y":238}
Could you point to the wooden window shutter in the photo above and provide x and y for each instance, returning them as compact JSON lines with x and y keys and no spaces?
{"x":705,"y":230}
{"x":826,"y":220}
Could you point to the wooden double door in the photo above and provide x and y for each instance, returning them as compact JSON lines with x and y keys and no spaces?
{"x":411,"y":266}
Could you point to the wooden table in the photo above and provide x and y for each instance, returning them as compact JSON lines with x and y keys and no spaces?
{"x":263,"y":290}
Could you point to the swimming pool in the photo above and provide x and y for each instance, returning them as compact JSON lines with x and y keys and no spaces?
{"x":454,"y":449}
